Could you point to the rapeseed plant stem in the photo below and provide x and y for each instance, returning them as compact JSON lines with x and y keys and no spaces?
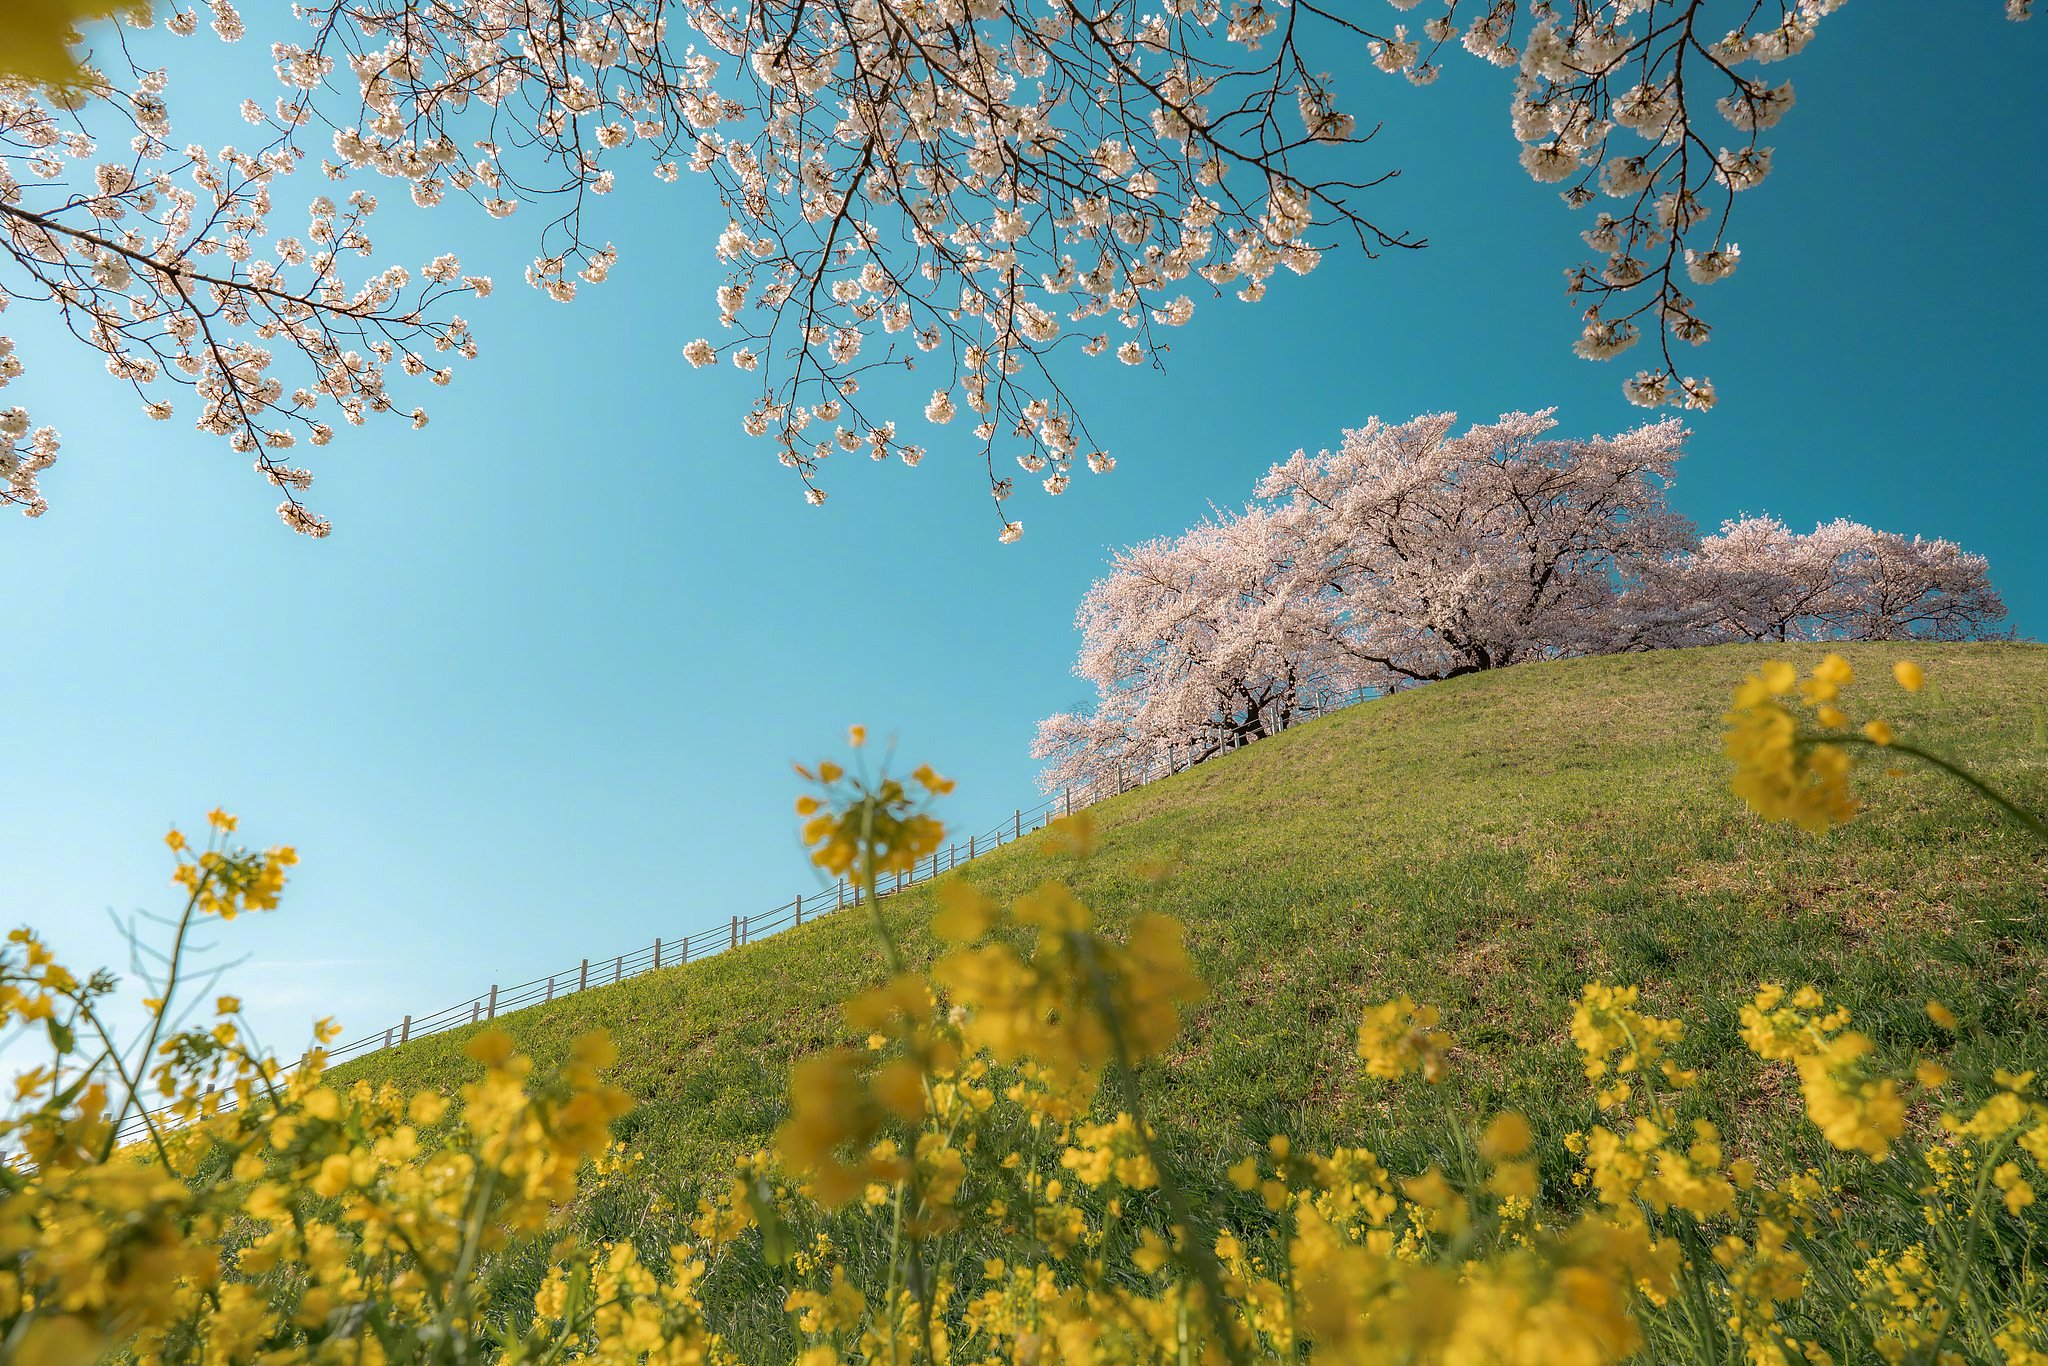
{"x":132,"y":1093}
{"x":1952,"y":1295}
{"x":2027,"y":820}
{"x":1193,"y":1249}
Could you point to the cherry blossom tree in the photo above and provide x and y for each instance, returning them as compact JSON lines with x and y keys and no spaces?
{"x":1444,"y":553}
{"x":1195,"y":645}
{"x":1841,"y":581}
{"x":970,"y":185}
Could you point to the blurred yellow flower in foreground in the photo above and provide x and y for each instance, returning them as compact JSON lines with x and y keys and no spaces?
{"x":37,"y":37}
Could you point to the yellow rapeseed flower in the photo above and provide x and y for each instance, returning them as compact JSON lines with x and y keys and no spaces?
{"x":965,"y":915}
{"x":1827,"y":680}
{"x":1507,"y":1136}
{"x":344,"y":1201}
{"x":1854,"y":1108}
{"x":37,"y":36}
{"x":1073,"y":835}
{"x":492,"y":1048}
{"x":1780,"y":772}
{"x":1398,"y":1037}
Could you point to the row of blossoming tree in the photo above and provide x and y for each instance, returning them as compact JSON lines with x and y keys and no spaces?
{"x":987,"y":185}
{"x":1413,"y":553}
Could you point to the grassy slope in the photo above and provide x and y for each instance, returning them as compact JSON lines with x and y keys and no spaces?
{"x":1488,"y":844}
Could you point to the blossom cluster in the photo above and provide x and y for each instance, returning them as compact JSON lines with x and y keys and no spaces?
{"x":1000,"y":187}
{"x":1416,"y":553}
{"x":1800,"y":773}
{"x":860,"y":829}
{"x":180,"y":267}
{"x":1656,"y":111}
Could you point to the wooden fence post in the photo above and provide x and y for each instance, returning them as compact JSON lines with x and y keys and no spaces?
{"x":387,"y":1038}
{"x":618,"y":968}
{"x":657,"y":952}
{"x":1067,"y":797}
{"x":799,"y":908}
{"x":551,"y":986}
{"x":492,"y":1012}
{"x":583,"y":976}
{"x":686,"y":949}
{"x":1019,"y":833}
{"x":970,"y":848}
{"x":476,"y":1010}
{"x":735,"y":941}
{"x":405,"y":1031}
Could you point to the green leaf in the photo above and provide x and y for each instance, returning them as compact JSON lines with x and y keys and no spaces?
{"x":778,"y":1244}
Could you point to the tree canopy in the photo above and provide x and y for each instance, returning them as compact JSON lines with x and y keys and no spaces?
{"x":993,"y":186}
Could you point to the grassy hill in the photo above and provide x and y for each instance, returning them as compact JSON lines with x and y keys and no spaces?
{"x":1488,"y":844}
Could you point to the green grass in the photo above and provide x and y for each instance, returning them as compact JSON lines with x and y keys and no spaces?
{"x":1488,"y":844}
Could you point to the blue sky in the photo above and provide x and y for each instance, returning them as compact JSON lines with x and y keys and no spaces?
{"x":538,"y":695}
